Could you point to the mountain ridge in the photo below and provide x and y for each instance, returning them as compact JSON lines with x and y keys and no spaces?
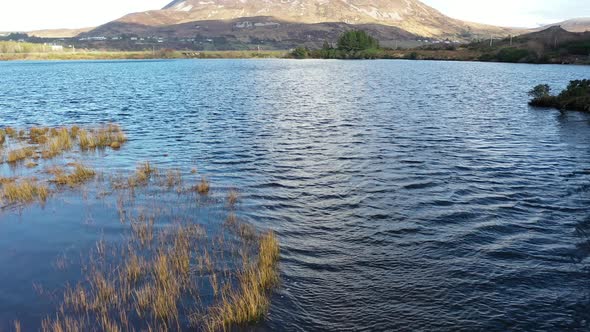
{"x":410,"y":15}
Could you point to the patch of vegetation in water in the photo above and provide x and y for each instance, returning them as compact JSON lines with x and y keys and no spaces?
{"x":575,"y":97}
{"x":168,"y":270}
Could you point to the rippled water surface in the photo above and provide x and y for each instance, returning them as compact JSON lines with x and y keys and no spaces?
{"x":406,"y":195}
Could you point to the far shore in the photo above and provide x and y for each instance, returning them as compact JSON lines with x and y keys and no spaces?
{"x":141,"y":55}
{"x":407,"y":54}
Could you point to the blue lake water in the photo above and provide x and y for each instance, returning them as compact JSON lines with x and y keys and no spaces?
{"x":407,"y":195}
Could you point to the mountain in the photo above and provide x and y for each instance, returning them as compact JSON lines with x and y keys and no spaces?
{"x":271,"y":18}
{"x":574,"y":25}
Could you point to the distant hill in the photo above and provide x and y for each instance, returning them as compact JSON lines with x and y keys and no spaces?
{"x":187,"y":17}
{"x":552,"y":45}
{"x":58,"y":33}
{"x":573,"y":25}
{"x":265,"y":32}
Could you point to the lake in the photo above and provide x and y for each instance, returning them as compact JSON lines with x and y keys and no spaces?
{"x":406,"y":195}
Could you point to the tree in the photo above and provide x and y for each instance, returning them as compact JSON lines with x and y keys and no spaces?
{"x":357,"y":40}
{"x":300,"y":52}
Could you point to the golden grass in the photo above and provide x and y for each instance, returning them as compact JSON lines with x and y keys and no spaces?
{"x":31,"y":164}
{"x":25,"y":191}
{"x":5,"y":180}
{"x":203,"y":187}
{"x":110,"y":135}
{"x":2,"y":137}
{"x":142,"y":175}
{"x":37,"y":135}
{"x":249,"y":302}
{"x":59,"y":142}
{"x":17,"y":155}
{"x":143,"y":230}
{"x":173,"y":178}
{"x":11,"y":132}
{"x":80,"y":175}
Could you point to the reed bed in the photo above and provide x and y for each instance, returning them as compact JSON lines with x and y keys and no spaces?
{"x":167,"y":272}
{"x":51,"y":142}
{"x":77,"y":177}
{"x":20,"y":154}
{"x":24,"y":191}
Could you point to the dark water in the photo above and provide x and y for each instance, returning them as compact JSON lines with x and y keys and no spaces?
{"x":407,"y":195}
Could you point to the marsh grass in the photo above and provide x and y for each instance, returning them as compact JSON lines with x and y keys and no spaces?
{"x":168,"y":272}
{"x":110,"y":135}
{"x":2,"y":137}
{"x":203,"y":187}
{"x":249,"y":302}
{"x":11,"y":132}
{"x":51,"y":142}
{"x":20,"y":154}
{"x":25,"y":191}
{"x":153,"y":285}
{"x":80,"y":175}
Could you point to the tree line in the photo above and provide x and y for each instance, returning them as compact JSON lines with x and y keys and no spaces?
{"x":355,"y":44}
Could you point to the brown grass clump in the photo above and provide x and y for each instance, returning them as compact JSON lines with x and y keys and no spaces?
{"x":11,"y":132}
{"x":232,"y":197}
{"x":79,"y":175}
{"x":250,"y":301}
{"x":143,"y":229}
{"x":203,"y":187}
{"x":2,"y":137}
{"x":5,"y":180}
{"x":86,"y":140}
{"x":20,"y":154}
{"x":173,"y":178}
{"x":37,"y":135}
{"x":142,"y":175}
{"x":74,"y":131}
{"x":59,"y":142}
{"x":31,"y":164}
{"x":25,"y":191}
{"x":107,"y":136}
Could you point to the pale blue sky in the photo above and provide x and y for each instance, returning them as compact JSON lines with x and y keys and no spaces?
{"x":17,"y":15}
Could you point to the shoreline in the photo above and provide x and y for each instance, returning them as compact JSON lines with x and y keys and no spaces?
{"x":424,"y":55}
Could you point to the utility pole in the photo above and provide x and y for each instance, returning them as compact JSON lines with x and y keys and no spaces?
{"x":491,"y":40}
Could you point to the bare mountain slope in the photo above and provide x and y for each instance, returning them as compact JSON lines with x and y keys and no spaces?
{"x":410,"y":15}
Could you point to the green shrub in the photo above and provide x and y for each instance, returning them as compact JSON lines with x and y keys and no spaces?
{"x":300,"y":52}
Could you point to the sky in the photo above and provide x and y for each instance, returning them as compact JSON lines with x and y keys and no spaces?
{"x":19,"y":15}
